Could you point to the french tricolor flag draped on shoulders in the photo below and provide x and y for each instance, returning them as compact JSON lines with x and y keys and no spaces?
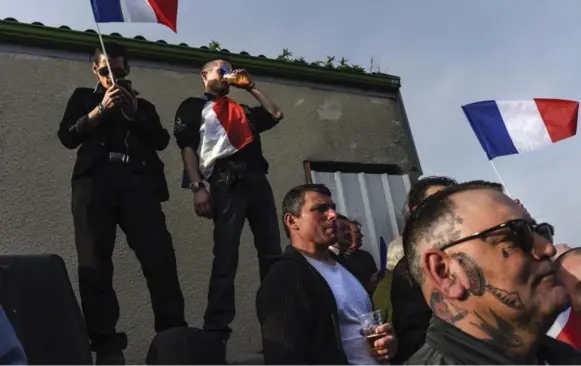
{"x":136,"y":11}
{"x":567,"y":328}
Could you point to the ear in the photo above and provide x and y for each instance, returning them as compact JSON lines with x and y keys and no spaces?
{"x":127,"y":69}
{"x":438,"y":267}
{"x":95,"y":69}
{"x":204,"y":75}
{"x":291,"y":222}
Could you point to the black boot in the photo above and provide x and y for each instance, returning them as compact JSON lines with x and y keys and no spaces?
{"x":110,"y":357}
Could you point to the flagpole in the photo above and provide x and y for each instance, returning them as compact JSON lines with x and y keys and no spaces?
{"x":105,"y":53}
{"x":500,"y":178}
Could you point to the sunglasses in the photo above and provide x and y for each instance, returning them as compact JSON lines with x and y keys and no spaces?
{"x":117,"y":72}
{"x":520,"y":231}
{"x":224,"y":70}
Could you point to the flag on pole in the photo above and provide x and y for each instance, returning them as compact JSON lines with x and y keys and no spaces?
{"x":567,"y":328}
{"x":514,"y":127}
{"x":136,"y":11}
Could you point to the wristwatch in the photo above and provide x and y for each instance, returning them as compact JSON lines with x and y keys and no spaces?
{"x":197,"y":186}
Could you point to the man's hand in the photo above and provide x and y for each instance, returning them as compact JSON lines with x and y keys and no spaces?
{"x":113,"y":98}
{"x":385,"y":347}
{"x":129,"y":102}
{"x":202,"y":203}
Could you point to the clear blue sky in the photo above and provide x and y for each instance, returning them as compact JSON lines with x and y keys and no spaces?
{"x":448,"y":53}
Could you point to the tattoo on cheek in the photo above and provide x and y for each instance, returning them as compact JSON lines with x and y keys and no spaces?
{"x":477,"y":285}
{"x":476,"y":280}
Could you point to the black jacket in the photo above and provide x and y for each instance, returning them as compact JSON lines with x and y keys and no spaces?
{"x":146,"y":136}
{"x":410,"y":313}
{"x":448,"y":345}
{"x":298,"y":315}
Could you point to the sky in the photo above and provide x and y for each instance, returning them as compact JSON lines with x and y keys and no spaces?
{"x":447,"y":52}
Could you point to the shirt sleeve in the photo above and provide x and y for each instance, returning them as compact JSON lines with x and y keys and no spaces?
{"x":260,"y":119}
{"x":74,"y":124}
{"x":187,"y":122}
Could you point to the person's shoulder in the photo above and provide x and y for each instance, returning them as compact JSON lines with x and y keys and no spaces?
{"x":555,"y":352}
{"x":427,"y":355}
{"x":401,"y":268}
{"x":82,"y":91}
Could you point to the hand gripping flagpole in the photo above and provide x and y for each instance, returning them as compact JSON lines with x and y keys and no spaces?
{"x":500,"y":178}
{"x":105,"y":53}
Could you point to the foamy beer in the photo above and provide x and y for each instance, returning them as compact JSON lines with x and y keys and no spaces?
{"x":238,"y":78}
{"x":369,"y":323}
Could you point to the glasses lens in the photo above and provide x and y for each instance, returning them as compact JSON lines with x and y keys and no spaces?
{"x":546,"y":231}
{"x":118,"y":73}
{"x":523,"y":234}
{"x":224,"y":70}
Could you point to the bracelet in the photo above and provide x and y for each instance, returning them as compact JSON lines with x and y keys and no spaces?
{"x":250,"y":87}
{"x":101,"y":107}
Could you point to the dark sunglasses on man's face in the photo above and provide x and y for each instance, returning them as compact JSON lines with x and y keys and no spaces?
{"x":118,"y":72}
{"x":224,"y":70}
{"x":520,"y":231}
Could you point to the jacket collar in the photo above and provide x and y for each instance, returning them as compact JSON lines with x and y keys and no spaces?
{"x":468,"y":350}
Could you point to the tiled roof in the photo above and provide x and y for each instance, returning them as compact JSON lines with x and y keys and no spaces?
{"x":64,"y":38}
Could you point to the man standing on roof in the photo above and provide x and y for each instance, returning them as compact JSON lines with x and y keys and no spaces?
{"x":220,"y":144}
{"x":118,"y":179}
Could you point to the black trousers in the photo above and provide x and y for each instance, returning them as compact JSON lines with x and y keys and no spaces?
{"x":233,"y":202}
{"x":113,"y":195}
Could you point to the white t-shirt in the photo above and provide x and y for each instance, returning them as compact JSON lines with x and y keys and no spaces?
{"x":352,"y":301}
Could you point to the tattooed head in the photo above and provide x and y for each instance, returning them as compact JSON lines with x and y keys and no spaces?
{"x":502,"y":278}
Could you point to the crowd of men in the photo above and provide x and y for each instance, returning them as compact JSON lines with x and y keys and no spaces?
{"x":473,"y":279}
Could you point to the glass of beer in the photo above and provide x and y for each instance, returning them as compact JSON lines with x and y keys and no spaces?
{"x":369,"y":323}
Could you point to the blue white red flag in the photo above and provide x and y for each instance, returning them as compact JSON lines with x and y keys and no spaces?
{"x":567,"y":328}
{"x":136,"y":11}
{"x":514,"y":127}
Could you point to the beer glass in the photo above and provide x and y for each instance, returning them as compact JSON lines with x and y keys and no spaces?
{"x":369,"y":323}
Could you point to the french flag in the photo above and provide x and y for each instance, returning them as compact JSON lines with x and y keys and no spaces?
{"x":514,"y":127}
{"x":136,"y":11}
{"x":567,"y":328}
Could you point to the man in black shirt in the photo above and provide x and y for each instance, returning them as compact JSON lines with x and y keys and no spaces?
{"x":220,"y":143}
{"x":118,"y":179}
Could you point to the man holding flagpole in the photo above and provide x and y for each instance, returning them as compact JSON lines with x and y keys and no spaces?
{"x":118,"y":179}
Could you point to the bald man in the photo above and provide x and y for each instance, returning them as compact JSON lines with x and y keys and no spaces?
{"x":484,"y":267}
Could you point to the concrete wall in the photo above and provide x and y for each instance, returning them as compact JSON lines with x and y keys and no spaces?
{"x":320,"y":124}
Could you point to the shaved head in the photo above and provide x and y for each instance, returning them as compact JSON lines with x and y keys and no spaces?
{"x":484,"y":265}
{"x":435,"y":222}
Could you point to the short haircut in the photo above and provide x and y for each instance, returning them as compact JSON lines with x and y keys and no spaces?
{"x":211,"y":64}
{"x":434,"y":211}
{"x":293,"y":201}
{"x":113,"y":50}
{"x":418,"y":191}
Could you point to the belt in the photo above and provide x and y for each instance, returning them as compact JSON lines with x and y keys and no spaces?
{"x":120,"y":157}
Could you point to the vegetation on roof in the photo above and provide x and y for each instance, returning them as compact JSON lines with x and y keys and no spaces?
{"x":285,"y":66}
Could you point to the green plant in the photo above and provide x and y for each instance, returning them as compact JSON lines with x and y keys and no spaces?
{"x":287,"y":56}
{"x":214,"y":46}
